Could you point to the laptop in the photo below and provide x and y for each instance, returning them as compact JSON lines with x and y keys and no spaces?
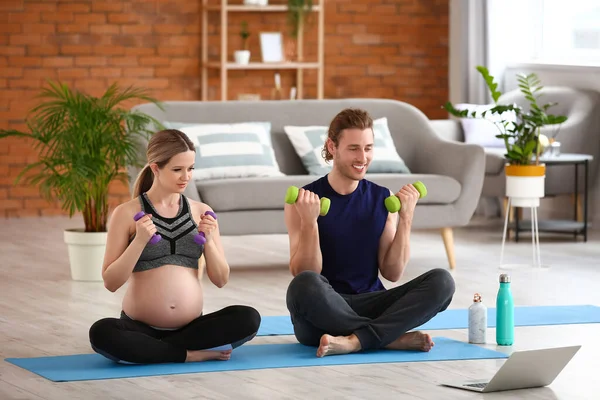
{"x":523,"y":370}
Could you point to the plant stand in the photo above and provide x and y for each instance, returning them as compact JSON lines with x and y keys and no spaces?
{"x":535,"y":236}
{"x":524,"y":188}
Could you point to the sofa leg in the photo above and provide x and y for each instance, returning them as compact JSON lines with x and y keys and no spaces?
{"x":448,"y":238}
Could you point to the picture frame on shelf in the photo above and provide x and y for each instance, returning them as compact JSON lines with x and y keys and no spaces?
{"x":271,"y":47}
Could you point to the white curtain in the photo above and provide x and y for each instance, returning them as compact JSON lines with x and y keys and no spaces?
{"x":469,"y":47}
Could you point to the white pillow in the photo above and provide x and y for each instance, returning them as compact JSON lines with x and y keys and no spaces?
{"x":239,"y":150}
{"x":308,"y":142}
{"x":483,"y":130}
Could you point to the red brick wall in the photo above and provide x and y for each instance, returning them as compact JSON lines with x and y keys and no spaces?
{"x":387,"y":48}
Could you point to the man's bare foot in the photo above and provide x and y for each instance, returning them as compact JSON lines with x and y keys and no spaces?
{"x":205,"y":355}
{"x":412,"y":341}
{"x":331,"y":345}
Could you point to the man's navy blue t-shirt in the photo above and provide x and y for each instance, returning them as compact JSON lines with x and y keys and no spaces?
{"x":349,"y":235}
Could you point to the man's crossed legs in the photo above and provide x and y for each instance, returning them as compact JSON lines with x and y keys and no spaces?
{"x":340,"y":323}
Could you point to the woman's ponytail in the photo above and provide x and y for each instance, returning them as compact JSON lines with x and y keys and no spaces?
{"x":143,"y":181}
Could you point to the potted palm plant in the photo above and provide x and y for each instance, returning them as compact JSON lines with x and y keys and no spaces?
{"x":520,"y":131}
{"x":84,"y":143}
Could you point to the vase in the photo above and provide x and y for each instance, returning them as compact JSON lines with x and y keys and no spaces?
{"x":525,"y":184}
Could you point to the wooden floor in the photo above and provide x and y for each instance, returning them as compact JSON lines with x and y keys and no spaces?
{"x":43,"y":312}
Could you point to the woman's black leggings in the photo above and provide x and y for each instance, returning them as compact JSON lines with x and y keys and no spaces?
{"x":126,"y":340}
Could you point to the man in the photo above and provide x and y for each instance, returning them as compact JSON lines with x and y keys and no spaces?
{"x":336,"y":300}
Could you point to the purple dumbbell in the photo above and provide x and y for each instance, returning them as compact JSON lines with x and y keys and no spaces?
{"x":156,"y":237}
{"x":200,"y":238}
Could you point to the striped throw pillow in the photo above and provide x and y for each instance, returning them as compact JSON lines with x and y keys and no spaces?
{"x":308,"y":142}
{"x":239,"y":150}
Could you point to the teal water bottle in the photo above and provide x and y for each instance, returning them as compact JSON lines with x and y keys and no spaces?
{"x":505,"y":313}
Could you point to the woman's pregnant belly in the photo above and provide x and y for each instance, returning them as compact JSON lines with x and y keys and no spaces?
{"x":167,"y":297}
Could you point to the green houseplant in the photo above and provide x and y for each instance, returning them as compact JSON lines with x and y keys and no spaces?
{"x":521,"y":135}
{"x":243,"y":56}
{"x":84,"y":143}
{"x":297,"y":15}
{"x":298,"y":11}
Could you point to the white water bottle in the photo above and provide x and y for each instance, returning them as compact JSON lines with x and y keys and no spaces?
{"x":477,"y":320}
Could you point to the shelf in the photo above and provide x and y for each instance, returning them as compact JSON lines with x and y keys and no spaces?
{"x":222,"y":63}
{"x":265,"y":66}
{"x":555,"y":225}
{"x":243,"y":8}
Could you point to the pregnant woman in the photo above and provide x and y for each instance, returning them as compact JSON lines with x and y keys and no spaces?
{"x":154,"y":244}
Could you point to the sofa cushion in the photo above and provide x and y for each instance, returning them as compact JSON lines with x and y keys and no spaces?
{"x":494,"y":160}
{"x":269,"y":193}
{"x":238,"y":150}
{"x":482,"y":130}
{"x":308,"y":142}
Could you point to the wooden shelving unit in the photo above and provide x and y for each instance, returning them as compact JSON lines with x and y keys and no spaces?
{"x":224,"y":65}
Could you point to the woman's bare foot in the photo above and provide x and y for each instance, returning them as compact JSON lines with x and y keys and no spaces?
{"x":205,"y":355}
{"x":331,"y":345}
{"x":412,"y":341}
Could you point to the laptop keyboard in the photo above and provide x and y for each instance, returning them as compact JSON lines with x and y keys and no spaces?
{"x":477,"y":385}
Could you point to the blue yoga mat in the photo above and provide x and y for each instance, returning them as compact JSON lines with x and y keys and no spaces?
{"x":459,"y":318}
{"x":260,"y":356}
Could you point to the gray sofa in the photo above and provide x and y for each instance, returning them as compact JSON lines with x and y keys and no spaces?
{"x":453,"y":172}
{"x":579,"y":134}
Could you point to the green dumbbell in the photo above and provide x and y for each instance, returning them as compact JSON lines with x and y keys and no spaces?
{"x":393,"y":204}
{"x":292,"y":195}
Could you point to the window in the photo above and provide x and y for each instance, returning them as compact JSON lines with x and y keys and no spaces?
{"x":570,"y":32}
{"x":565,"y":32}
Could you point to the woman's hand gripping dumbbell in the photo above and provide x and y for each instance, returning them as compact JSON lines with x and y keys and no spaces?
{"x":207,"y":225}
{"x":150,"y":228}
{"x":199,"y":238}
{"x":292,"y":195}
{"x":393,"y":203}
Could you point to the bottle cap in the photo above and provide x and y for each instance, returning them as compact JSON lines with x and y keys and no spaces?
{"x":504,"y":278}
{"x":477,"y":298}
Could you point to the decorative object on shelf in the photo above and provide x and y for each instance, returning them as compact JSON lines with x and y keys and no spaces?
{"x":84,"y":143}
{"x":276,"y":92}
{"x":525,"y":175}
{"x":242,"y":57}
{"x":256,"y":2}
{"x":297,"y":18}
{"x":271,"y":47}
{"x":248,"y":97}
{"x":297,"y":15}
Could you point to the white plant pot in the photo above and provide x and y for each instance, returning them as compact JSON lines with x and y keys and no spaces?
{"x":525,"y":184}
{"x":86,"y":254}
{"x":242,"y":57}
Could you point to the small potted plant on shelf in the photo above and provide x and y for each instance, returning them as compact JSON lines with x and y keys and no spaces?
{"x":243,"y":56}
{"x":84,"y":143}
{"x":520,"y":130}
